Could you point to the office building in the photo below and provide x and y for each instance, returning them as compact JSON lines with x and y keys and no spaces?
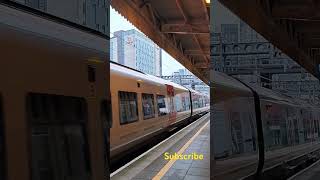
{"x":135,"y":50}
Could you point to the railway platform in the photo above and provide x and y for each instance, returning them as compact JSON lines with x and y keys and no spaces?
{"x":163,"y":160}
{"x":310,"y":173}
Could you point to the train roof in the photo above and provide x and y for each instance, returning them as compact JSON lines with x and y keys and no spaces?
{"x":275,"y":96}
{"x":124,"y":70}
{"x":116,"y":67}
{"x":221,"y":80}
{"x":48,"y":26}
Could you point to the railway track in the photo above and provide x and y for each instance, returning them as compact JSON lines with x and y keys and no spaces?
{"x":278,"y":164}
{"x":289,"y":168}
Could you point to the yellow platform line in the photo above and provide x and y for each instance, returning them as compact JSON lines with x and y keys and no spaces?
{"x":166,"y":168}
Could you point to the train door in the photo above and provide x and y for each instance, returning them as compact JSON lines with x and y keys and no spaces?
{"x":171,"y":108}
{"x":191,"y":102}
{"x":106,"y":116}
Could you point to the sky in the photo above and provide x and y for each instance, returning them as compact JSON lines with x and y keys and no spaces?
{"x":118,"y":22}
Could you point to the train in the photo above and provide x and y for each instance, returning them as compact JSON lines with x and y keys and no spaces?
{"x":61,"y":116}
{"x":144,"y":106}
{"x":53,"y":97}
{"x":255,"y":129}
{"x":58,"y":103}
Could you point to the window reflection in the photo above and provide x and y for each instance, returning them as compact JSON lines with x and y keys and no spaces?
{"x":162,"y":110}
{"x":128,"y":107}
{"x":58,"y":138}
{"x":148,"y":106}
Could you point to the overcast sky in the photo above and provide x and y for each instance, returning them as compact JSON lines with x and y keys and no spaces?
{"x":118,"y":22}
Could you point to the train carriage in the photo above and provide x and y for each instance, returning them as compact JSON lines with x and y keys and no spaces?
{"x":289,"y":128}
{"x":50,"y":100}
{"x":144,"y":106}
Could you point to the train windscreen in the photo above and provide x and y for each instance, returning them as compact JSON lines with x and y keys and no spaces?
{"x":58,"y":137}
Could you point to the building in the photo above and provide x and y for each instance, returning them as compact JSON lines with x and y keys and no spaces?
{"x":244,"y":53}
{"x":113,"y":50}
{"x":188,"y":80}
{"x":135,"y":50}
{"x":90,"y":13}
{"x":300,"y":85}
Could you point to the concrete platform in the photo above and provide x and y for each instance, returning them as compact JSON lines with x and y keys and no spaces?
{"x":310,"y":173}
{"x":195,"y":138}
{"x":238,"y":167}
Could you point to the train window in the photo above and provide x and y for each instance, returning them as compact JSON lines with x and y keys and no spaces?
{"x":184,"y":103}
{"x":148,"y":106}
{"x":128,"y":107}
{"x":2,"y":149}
{"x":178,"y":102}
{"x":187,"y":102}
{"x":59,"y":147}
{"x":162,"y":110}
{"x":195,"y":102}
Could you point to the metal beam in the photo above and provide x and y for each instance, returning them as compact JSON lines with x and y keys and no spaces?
{"x":186,"y":18}
{"x":184,"y":29}
{"x":201,"y":65}
{"x":206,"y":14}
{"x":306,"y":10}
{"x":197,"y":52}
{"x":182,"y":10}
{"x":294,"y":12}
{"x":200,"y":47}
{"x":307,"y":27}
{"x":192,"y":21}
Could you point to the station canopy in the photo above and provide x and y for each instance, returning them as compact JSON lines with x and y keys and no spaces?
{"x":291,"y":25}
{"x":180,"y":27}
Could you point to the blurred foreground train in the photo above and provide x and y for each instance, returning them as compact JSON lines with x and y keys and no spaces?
{"x":55,"y":108}
{"x":53,"y":86}
{"x":144,"y":106}
{"x":256,"y":130}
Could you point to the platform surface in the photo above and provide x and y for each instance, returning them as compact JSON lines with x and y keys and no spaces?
{"x":310,"y":173}
{"x":195,"y":138}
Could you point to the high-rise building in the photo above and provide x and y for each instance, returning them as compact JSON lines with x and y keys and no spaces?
{"x":137,"y":51}
{"x":90,"y":13}
{"x":113,"y":50}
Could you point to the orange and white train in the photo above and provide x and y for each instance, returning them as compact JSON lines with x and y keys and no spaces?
{"x":144,"y":106}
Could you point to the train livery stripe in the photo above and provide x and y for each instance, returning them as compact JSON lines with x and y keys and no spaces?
{"x":166,"y":168}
